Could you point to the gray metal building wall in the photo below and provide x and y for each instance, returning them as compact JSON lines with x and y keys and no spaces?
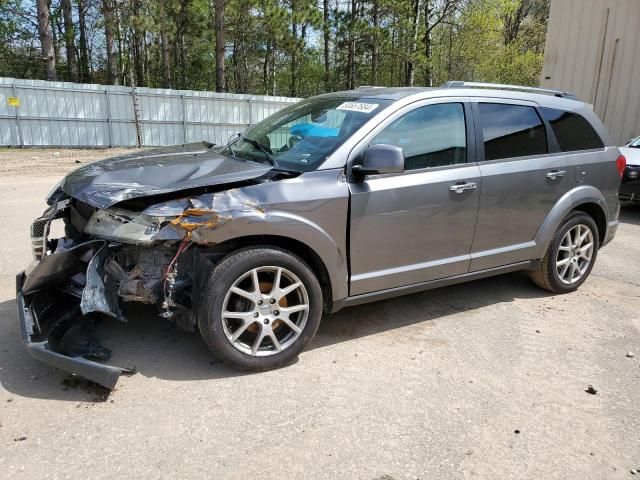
{"x":593,"y":50}
{"x":84,"y":115}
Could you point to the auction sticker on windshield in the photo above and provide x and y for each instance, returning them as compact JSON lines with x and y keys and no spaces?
{"x":357,"y":107}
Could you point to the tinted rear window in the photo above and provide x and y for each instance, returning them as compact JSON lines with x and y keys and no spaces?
{"x":572,"y":131}
{"x":511,"y":131}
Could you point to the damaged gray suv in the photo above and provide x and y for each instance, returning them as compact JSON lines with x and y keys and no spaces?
{"x":338,"y":200}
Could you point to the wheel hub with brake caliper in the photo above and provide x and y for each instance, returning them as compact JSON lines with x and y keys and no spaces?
{"x":268,"y":310}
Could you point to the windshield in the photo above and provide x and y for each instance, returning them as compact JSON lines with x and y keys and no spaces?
{"x":301,"y":136}
{"x":635,"y":143}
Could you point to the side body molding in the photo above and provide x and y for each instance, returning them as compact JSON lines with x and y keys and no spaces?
{"x":570,"y":200}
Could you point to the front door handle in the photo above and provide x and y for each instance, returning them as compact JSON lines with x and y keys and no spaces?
{"x":553,"y":174}
{"x":461,"y":187}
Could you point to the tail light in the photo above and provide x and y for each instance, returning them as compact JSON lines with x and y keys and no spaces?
{"x":621,"y":164}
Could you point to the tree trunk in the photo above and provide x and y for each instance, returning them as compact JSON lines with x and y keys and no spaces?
{"x":234,"y":65}
{"x":182,"y":26}
{"x":351,"y":52}
{"x":411,"y":68}
{"x":293,"y":87}
{"x":375,"y":47}
{"x":219,"y":27}
{"x":427,"y":44}
{"x":272,"y":69}
{"x":265,"y":68}
{"x":244,"y":67}
{"x":138,"y":52}
{"x":394,"y":36}
{"x":449,"y":53}
{"x":164,"y":46}
{"x":46,"y":39}
{"x":120,"y":57}
{"x":109,"y":33}
{"x":326,"y":33}
{"x":69,"y":41}
{"x":55,"y":29}
{"x":84,"y":69}
{"x":513,"y":22}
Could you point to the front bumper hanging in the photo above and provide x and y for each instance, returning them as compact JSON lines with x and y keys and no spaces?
{"x":40,"y":349}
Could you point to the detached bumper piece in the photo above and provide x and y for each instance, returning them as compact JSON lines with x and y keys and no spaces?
{"x":59,"y":302}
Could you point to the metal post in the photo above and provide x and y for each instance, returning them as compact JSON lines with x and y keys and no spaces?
{"x":136,"y":118}
{"x":110,"y":127}
{"x":184,"y":120}
{"x":20,"y":137}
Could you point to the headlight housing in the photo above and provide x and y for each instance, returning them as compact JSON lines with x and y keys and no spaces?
{"x":130,"y":227}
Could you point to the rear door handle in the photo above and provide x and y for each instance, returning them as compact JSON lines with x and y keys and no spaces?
{"x":553,"y":174}
{"x":461,"y":187}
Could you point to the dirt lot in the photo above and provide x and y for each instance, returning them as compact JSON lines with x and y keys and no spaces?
{"x":45,"y":162}
{"x":483,"y":380}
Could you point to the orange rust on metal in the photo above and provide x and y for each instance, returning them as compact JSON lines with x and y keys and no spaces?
{"x":209,"y":219}
{"x":194,"y":218}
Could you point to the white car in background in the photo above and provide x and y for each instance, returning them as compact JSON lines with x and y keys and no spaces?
{"x":630,"y":187}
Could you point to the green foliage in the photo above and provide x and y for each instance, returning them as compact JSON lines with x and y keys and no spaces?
{"x":277,"y":46}
{"x":19,"y":47}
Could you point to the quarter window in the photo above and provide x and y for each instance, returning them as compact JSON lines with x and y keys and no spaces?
{"x":572,"y":131}
{"x":430,"y":136}
{"x":511,"y":131}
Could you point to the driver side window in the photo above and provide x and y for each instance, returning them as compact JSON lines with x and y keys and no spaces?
{"x":430,"y":136}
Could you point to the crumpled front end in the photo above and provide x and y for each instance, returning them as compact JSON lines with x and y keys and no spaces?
{"x":109,"y":257}
{"x":60,"y":299}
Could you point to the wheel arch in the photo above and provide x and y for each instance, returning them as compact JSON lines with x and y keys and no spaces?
{"x":584,"y":198}
{"x":596,"y":212}
{"x":298,"y":248}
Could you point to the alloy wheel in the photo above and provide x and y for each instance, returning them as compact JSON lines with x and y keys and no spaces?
{"x":265,"y":311}
{"x":574,"y":254}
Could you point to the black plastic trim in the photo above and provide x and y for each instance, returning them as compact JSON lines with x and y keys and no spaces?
{"x":105,"y":375}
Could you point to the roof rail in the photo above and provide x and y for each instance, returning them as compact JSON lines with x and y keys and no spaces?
{"x":367,"y":87}
{"x":501,"y":86}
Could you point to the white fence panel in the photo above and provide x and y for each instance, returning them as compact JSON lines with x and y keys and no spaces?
{"x":40,"y":113}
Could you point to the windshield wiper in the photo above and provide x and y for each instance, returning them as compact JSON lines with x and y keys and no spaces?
{"x":262,"y":148}
{"x":290,"y":171}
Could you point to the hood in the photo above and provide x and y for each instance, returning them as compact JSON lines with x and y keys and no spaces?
{"x":163,"y":170}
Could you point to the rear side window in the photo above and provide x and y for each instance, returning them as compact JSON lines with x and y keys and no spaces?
{"x":511,"y":131}
{"x":572,"y":131}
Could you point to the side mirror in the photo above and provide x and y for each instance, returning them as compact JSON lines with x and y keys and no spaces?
{"x":380,"y":159}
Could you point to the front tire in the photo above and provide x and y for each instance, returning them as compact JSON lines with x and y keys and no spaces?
{"x":570,"y":256}
{"x":260,"y":308}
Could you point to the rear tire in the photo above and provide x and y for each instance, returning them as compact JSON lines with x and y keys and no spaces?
{"x":260,"y":308}
{"x":570,"y":256}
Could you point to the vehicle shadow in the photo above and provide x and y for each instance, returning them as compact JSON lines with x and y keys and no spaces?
{"x":158,"y":349}
{"x":630,"y":212}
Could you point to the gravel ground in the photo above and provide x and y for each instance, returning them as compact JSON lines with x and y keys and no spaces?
{"x":35,"y":161}
{"x":483,"y":380}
